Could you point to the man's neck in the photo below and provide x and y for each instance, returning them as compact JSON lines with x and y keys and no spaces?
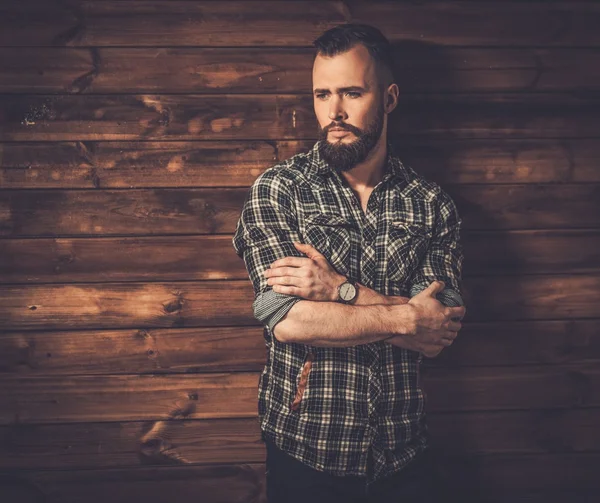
{"x":368,"y":174}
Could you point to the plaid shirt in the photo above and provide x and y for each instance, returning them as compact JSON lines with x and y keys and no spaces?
{"x":334,"y":407}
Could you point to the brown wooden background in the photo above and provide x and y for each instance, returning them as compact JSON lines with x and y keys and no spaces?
{"x":129,"y":134}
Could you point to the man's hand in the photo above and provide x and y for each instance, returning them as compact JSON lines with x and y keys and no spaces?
{"x":435,"y":325}
{"x":311,"y":278}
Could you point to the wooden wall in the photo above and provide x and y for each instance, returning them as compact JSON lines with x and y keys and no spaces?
{"x":129,"y":134}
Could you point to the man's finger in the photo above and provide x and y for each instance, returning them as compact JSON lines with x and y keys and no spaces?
{"x":290,"y":261}
{"x":285,"y":280}
{"x":457,"y":313}
{"x":455,"y":326}
{"x":284,"y":271}
{"x":310,"y":251}
{"x":288,"y":290}
{"x":450,"y":334}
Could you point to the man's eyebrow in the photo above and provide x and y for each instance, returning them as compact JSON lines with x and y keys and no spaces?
{"x":342,"y":90}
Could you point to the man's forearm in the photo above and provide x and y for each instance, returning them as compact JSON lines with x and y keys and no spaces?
{"x":333,"y":324}
{"x":367,"y":297}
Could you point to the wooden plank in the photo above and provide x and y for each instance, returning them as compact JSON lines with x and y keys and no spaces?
{"x":522,"y":343}
{"x":122,"y":444}
{"x":176,"y":258}
{"x":530,"y":252}
{"x":176,"y":164}
{"x":496,"y":478}
{"x":528,"y":431}
{"x":295,"y":23}
{"x":557,"y":495}
{"x":498,"y":388}
{"x":100,"y":398}
{"x":212,"y":441}
{"x":120,"y":305}
{"x":533,"y":388}
{"x":209,"y":484}
{"x":537,"y":471}
{"x":228,"y":303}
{"x":539,"y":297}
{"x":492,"y":207}
{"x":174,"y":350}
{"x":29,"y":400}
{"x":291,"y":117}
{"x":131,"y":444}
{"x":106,"y":213}
{"x":153,"y":258}
{"x":136,"y":164}
{"x":419,"y":69}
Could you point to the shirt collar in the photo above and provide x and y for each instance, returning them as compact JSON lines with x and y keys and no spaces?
{"x":395,"y":170}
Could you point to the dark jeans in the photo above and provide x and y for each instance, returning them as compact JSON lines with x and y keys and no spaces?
{"x":291,"y":481}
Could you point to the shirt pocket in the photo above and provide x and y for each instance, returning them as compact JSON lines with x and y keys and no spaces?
{"x":332,"y":236}
{"x":407,"y":246}
{"x":303,"y":384}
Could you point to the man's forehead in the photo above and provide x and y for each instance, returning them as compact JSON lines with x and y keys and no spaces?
{"x":351,"y":68}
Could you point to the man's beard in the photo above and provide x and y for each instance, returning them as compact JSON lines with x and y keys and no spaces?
{"x":343,"y":157}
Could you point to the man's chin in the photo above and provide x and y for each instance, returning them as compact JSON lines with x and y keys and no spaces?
{"x":340,"y":141}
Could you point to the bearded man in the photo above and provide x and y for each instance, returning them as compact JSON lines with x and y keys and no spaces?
{"x":356,"y":265}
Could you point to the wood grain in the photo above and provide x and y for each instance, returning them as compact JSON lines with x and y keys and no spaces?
{"x":228,"y":303}
{"x":418,"y":68}
{"x":178,"y":258}
{"x":213,"y":441}
{"x":183,"y":350}
{"x":72,"y":213}
{"x":177,"y":164}
{"x":509,"y":479}
{"x":290,"y":117}
{"x":170,"y":350}
{"x":62,"y":399}
{"x":211,"y":303}
{"x":296,"y":23}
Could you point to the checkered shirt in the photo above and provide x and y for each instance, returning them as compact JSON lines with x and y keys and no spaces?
{"x":365,"y":400}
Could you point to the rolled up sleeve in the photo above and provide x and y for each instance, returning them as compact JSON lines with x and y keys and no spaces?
{"x":265,"y":232}
{"x":444,"y":257}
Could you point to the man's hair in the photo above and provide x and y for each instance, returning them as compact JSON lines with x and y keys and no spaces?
{"x":344,"y":37}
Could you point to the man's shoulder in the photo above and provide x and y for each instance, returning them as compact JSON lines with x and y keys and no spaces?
{"x":420,"y":186}
{"x":294,"y":169}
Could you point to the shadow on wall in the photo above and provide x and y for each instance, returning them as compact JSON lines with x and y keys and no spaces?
{"x":21,"y":490}
{"x":422,"y":71}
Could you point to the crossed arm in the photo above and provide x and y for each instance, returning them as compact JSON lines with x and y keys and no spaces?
{"x":266,"y":233}
{"x":371,"y":315}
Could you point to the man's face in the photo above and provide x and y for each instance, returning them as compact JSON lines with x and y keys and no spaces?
{"x":347,"y":96}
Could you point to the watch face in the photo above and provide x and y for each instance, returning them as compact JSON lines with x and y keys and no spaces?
{"x":347,"y":291}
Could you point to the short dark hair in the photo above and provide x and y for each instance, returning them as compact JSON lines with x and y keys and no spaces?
{"x":344,"y":37}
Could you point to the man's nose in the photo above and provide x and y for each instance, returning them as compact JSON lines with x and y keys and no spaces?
{"x":336,"y":111}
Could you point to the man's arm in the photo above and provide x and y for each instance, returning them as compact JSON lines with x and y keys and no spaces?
{"x":444,"y":257}
{"x":340,"y":325}
{"x":367,"y":297}
{"x":265,"y":232}
{"x":314,"y":278}
{"x":421,"y":325}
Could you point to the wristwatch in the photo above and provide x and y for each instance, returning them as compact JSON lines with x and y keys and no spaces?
{"x":347,"y":291}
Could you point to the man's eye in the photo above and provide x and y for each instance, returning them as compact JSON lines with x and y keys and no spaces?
{"x":321,"y":96}
{"x":353,"y":94}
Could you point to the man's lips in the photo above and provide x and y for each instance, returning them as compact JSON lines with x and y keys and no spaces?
{"x":339,"y":132}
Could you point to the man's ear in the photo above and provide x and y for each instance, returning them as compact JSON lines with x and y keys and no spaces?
{"x":391,"y":97}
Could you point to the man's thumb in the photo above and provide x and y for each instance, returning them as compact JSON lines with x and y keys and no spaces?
{"x":435,"y":287}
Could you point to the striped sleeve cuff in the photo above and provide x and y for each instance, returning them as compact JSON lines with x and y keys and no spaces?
{"x":270,"y":307}
{"x":448,"y":296}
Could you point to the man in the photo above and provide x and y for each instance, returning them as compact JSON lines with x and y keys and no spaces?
{"x":355,"y":261}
